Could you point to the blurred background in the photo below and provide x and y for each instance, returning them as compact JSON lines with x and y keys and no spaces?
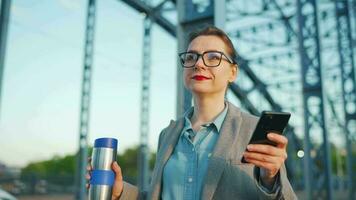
{"x":72,"y":71}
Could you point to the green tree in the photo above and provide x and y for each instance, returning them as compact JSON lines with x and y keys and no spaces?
{"x":58,"y":170}
{"x":128,"y":162}
{"x":61,"y":170}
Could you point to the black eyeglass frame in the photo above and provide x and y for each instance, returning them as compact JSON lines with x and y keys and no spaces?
{"x":202,"y":56}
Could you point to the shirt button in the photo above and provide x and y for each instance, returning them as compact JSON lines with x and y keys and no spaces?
{"x":209,"y":155}
{"x":193,"y":149}
{"x":190,"y":180}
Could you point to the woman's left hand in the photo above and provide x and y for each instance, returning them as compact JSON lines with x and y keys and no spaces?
{"x":267,"y":157}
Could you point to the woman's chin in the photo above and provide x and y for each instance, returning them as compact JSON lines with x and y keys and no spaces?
{"x":200,"y":91}
{"x":198,"y":88}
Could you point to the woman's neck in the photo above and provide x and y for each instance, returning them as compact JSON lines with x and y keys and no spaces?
{"x":206,"y":109}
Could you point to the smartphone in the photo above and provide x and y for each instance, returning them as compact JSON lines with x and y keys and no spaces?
{"x":269,"y":122}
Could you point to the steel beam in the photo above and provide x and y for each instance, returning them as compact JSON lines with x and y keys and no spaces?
{"x":154,"y":14}
{"x":259,"y":85}
{"x":85,"y":100}
{"x":285,"y":19}
{"x":353,"y":10}
{"x":143,"y":162}
{"x":238,"y":92}
{"x":314,"y":120}
{"x":348,"y":83}
{"x":4,"y":23}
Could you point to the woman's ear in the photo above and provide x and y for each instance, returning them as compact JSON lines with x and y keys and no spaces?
{"x":234,"y":73}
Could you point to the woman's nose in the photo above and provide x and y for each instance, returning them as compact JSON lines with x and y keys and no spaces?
{"x":200,"y":63}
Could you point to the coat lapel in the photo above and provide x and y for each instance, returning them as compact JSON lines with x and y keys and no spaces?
{"x":222,"y":151}
{"x":169,"y":141}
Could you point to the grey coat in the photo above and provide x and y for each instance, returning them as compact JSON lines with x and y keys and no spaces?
{"x":226,"y":178}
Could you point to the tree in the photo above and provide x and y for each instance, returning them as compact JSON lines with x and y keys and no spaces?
{"x":128,"y":162}
{"x":61,"y":170}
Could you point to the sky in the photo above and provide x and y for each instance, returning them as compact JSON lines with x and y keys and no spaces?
{"x":42,"y":79}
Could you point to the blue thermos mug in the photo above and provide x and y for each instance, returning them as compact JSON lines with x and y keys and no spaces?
{"x":102,"y":176}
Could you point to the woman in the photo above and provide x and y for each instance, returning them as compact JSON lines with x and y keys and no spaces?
{"x":199,"y":155}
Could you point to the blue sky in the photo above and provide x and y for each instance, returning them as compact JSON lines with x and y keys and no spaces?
{"x":43,"y":70}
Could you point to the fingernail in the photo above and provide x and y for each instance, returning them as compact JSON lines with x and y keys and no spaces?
{"x":249,"y":147}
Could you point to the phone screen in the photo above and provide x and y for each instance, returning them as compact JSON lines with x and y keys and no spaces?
{"x":269,"y":122}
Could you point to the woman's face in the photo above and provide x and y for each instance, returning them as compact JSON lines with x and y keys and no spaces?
{"x":208,"y":80}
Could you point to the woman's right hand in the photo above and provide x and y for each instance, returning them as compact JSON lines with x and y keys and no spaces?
{"x":118,"y":184}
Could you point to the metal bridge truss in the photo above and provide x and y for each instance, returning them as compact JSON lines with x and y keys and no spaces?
{"x":242,"y":94}
{"x":278,"y":66}
{"x":288,"y":49}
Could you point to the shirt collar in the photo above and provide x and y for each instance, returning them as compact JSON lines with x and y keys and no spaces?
{"x":217,"y":122}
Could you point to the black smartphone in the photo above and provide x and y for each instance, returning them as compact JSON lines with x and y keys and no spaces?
{"x":269,"y":122}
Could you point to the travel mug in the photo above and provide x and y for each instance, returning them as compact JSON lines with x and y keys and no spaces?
{"x":102,"y":176}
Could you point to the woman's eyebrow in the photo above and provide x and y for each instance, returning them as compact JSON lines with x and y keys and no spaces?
{"x":194,"y":51}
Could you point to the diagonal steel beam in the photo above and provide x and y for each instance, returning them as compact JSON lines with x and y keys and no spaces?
{"x":259,"y":85}
{"x":242,"y":95}
{"x":156,"y":16}
{"x":284,"y":18}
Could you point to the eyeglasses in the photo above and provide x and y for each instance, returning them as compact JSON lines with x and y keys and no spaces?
{"x":210,"y":58}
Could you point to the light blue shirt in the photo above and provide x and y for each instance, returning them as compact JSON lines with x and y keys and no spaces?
{"x":184,"y":172}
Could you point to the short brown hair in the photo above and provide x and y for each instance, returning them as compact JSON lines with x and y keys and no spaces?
{"x":207,"y":30}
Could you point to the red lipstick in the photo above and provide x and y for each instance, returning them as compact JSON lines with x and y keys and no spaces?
{"x":200,"y":78}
